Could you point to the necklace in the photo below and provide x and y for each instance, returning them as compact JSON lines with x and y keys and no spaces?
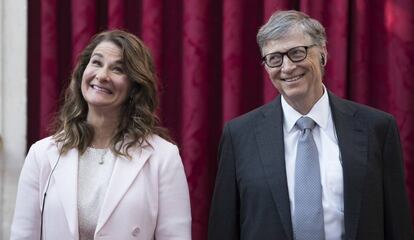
{"x":100,"y":153}
{"x":102,"y":158}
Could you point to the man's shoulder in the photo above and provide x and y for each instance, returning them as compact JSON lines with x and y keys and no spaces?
{"x":360,"y":110}
{"x":249,"y":119}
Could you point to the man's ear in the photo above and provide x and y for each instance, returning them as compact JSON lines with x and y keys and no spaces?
{"x":324,"y":53}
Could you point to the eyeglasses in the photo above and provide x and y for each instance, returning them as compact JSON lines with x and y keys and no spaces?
{"x":296,"y":54}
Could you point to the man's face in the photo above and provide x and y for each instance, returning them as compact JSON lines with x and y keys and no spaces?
{"x":300,"y":81}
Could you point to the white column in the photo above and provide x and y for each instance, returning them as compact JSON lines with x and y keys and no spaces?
{"x":13,"y":102}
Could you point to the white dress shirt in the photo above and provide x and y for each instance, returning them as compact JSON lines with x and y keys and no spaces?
{"x":330,"y":163}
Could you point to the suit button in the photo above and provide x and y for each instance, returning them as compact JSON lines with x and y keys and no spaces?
{"x":135,"y":232}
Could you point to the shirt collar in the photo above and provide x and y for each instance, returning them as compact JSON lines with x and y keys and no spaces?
{"x":319,"y":112}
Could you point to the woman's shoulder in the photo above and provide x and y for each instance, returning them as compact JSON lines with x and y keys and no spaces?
{"x":44,"y":143}
{"x":42,"y":150}
{"x":163,"y":154}
{"x":158,"y":143}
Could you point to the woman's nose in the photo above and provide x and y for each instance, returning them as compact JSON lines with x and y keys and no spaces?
{"x":102,"y":74}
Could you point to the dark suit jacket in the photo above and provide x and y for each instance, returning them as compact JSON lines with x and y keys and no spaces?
{"x":251,"y":200}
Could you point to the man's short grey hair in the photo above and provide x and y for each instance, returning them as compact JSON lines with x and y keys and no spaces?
{"x":281,"y":22}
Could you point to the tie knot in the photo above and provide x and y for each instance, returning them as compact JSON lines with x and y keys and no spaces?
{"x":305,"y":123}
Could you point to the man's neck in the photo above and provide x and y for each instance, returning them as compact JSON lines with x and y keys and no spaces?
{"x":304,"y":105}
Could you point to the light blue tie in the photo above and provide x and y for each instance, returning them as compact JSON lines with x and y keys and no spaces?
{"x":308,"y":215}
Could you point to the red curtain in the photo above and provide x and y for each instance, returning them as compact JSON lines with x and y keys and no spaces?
{"x":209,"y":65}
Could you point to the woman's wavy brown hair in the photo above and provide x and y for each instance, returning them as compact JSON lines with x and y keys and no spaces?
{"x":137,"y":120}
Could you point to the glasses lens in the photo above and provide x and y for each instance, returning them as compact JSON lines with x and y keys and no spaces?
{"x":274,"y":59}
{"x":297,"y":54}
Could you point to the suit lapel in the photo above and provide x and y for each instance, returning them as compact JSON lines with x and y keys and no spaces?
{"x":65,"y":178}
{"x":269,"y":134}
{"x":352,"y":140}
{"x":124,"y":173}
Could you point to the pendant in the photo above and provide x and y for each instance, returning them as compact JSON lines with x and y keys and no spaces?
{"x":101,"y":161}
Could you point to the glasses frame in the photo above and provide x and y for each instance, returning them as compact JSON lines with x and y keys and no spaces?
{"x":287,"y":54}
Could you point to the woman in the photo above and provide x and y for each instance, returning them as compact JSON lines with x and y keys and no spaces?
{"x":108,"y":171}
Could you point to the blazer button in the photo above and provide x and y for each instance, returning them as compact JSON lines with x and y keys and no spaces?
{"x":135,"y":232}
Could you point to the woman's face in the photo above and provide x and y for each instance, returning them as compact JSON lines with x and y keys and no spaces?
{"x":105,"y":85}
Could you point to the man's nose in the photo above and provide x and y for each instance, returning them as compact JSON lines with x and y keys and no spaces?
{"x":287,"y":64}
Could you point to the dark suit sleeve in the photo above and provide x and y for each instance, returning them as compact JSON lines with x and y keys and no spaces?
{"x":224,"y":211}
{"x":397,"y":212}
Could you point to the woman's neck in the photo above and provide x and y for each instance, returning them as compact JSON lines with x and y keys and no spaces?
{"x":104,"y":126}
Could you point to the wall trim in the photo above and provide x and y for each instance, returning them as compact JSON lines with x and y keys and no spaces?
{"x":13,"y":104}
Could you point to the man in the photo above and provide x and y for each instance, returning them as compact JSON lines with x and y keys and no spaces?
{"x":308,"y":165}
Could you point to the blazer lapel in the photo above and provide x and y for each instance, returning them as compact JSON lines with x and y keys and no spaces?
{"x":352,"y":140}
{"x":65,"y":178}
{"x":269,"y":134}
{"x":124,"y":173}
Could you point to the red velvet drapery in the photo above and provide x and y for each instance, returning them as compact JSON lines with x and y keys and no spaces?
{"x":209,"y":65}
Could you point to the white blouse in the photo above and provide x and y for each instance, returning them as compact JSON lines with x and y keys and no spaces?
{"x":95,"y":170}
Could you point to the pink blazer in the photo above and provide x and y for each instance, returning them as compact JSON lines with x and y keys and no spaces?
{"x":147,"y":197}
